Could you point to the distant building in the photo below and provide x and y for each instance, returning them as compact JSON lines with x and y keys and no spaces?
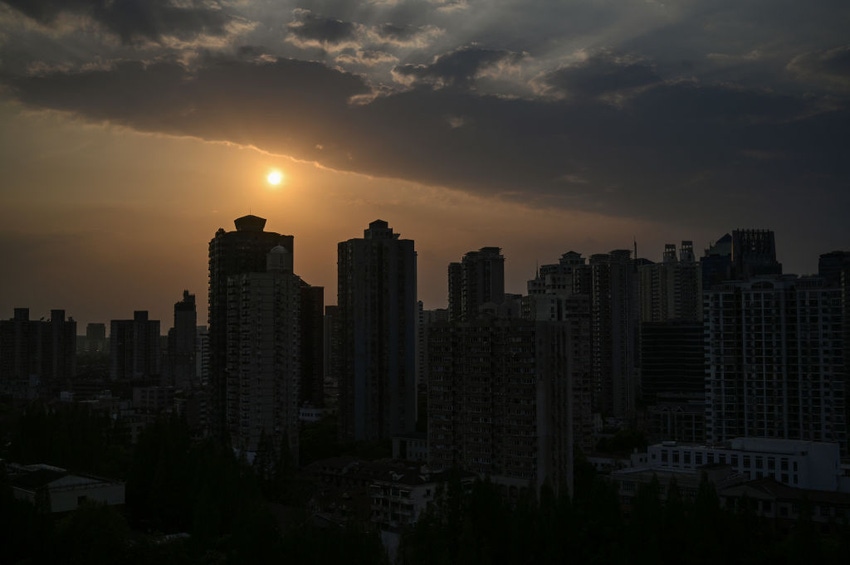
{"x":614,"y":333}
{"x":477,"y":280}
{"x":134,"y":348}
{"x":377,"y":343}
{"x":37,"y":357}
{"x":311,"y":388}
{"x":182,"y":344}
{"x":95,"y":341}
{"x":740,"y":256}
{"x":671,"y":289}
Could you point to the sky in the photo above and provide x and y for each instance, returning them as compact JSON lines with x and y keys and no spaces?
{"x":131,"y":130}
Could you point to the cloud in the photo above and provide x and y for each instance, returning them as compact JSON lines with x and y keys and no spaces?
{"x":600,"y":74}
{"x":830,"y":67}
{"x":679,"y":149}
{"x":405,"y":36}
{"x":136,"y":20}
{"x":312,"y":30}
{"x":457,"y":68}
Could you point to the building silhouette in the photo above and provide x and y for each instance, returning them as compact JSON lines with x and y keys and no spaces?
{"x":95,"y":341}
{"x":37,"y":357}
{"x":182,"y":344}
{"x":134,"y":348}
{"x":614,"y":333}
{"x":477,"y":280}
{"x":377,"y":343}
{"x":672,"y":360}
{"x":232,"y":253}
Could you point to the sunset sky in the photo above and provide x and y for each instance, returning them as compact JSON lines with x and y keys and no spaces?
{"x":131,"y":130}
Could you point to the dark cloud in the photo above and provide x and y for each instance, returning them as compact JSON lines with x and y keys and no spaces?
{"x":134,"y":20}
{"x":831,"y":66}
{"x":456,"y":68}
{"x":599,"y":74}
{"x":682,"y":150}
{"x":310,"y":27}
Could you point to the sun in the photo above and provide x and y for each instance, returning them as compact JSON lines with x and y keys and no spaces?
{"x":274,"y":177}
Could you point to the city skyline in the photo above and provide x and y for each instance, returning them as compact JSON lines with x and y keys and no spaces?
{"x":537,"y":127}
{"x":439,"y":299}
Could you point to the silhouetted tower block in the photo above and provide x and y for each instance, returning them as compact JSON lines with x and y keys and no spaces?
{"x":477,"y":280}
{"x":232,"y":253}
{"x":614,"y":332}
{"x":95,"y":338}
{"x":182,"y":343}
{"x":311,"y":391}
{"x":377,"y":321}
{"x":37,"y":358}
{"x":134,"y":348}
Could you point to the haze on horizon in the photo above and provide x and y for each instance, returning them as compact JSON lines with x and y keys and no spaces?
{"x":129,"y":136}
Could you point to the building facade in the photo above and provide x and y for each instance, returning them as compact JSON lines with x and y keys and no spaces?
{"x":775,"y":360}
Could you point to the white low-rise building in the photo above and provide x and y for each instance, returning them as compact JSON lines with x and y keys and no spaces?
{"x":54,"y":489}
{"x":800,"y":464}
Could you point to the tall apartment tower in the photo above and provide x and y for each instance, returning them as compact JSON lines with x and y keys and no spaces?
{"x":311,"y":389}
{"x":672,"y":289}
{"x":671,"y":346}
{"x":134,"y":348}
{"x":263,"y":368}
{"x":478,"y":279}
{"x":37,"y":357}
{"x":182,"y":343}
{"x":614,"y":333}
{"x":775,"y":360}
{"x":232,"y":253}
{"x":377,"y":324}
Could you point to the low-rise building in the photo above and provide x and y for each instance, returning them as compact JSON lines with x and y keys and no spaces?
{"x":53,"y":489}
{"x":801,"y":464}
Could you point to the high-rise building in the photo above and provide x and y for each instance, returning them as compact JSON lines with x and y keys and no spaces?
{"x":568,"y":276}
{"x":232,"y":253}
{"x":37,"y":357}
{"x":377,"y":322}
{"x":775,"y":360}
{"x":95,"y":338}
{"x":614,"y":333}
{"x":477,"y":280}
{"x":134,"y":348}
{"x":263,"y":368}
{"x":671,"y":289}
{"x":311,"y":389}
{"x":182,"y":343}
{"x":672,"y":383}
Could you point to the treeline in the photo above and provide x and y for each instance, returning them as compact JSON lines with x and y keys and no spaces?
{"x":481,"y":527}
{"x":186,"y":501}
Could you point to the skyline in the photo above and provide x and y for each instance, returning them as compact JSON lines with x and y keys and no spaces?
{"x":539,"y":127}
